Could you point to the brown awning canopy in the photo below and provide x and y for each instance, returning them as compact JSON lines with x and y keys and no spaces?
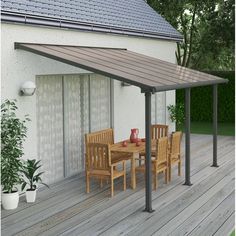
{"x":148,"y":73}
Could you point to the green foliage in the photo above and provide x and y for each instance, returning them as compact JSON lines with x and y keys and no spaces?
{"x":207,"y":28}
{"x":202,"y":98}
{"x":215,"y":38}
{"x":29,"y":170}
{"x":177,"y":114}
{"x":13,"y":133}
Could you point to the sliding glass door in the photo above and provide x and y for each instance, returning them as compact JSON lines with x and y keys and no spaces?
{"x":68,"y":106}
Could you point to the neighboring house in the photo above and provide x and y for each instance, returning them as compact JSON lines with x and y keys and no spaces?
{"x":69,"y":101}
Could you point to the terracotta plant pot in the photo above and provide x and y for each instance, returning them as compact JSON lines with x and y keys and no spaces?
{"x":10,"y":200}
{"x":31,"y":195}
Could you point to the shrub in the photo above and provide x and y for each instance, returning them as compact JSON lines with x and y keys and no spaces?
{"x":202,"y":99}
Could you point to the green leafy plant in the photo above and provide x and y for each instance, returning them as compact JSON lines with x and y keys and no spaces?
{"x":29,"y":170}
{"x":13,"y":133}
{"x":177,"y":114}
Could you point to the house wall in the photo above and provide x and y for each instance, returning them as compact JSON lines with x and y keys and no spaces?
{"x":18,"y":66}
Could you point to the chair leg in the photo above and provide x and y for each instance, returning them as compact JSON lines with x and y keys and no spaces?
{"x":87,"y":183}
{"x":112,"y":188}
{"x":124,"y":169}
{"x":112,"y":183}
{"x":179,"y":168}
{"x":101,"y":182}
{"x":140,"y":161}
{"x":170,"y":173}
{"x":166,"y":176}
{"x":155,"y":181}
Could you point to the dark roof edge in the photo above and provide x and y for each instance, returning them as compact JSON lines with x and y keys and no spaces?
{"x":17,"y":45}
{"x":188,"y":85}
{"x":53,"y":22}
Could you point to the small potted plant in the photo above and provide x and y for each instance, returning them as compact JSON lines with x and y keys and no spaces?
{"x":177,"y":114}
{"x":31,"y":178}
{"x":13,"y":133}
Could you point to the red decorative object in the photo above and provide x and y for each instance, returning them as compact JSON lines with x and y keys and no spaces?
{"x":143,"y":139}
{"x":134,"y":135}
{"x":124,"y":144}
{"x":137,"y":144}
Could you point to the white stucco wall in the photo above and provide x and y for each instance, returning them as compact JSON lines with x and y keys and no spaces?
{"x":18,"y":66}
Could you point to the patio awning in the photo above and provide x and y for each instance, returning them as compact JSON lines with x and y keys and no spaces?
{"x":148,"y":73}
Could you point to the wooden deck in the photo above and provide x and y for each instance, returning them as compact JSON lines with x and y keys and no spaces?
{"x":206,"y":208}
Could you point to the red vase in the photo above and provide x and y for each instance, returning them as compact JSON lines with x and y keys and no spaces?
{"x":134,"y":135}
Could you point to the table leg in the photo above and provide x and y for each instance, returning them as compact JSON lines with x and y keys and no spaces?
{"x":133,"y":176}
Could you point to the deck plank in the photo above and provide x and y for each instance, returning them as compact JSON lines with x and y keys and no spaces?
{"x":147,"y":222}
{"x":203,"y":204}
{"x":211,"y":224}
{"x":195,"y":219}
{"x":65,"y":209}
{"x":228,"y":226}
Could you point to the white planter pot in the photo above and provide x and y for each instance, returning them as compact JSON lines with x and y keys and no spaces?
{"x":31,"y":195}
{"x":10,"y":200}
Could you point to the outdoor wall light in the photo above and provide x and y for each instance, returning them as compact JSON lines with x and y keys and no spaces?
{"x":28,"y":88}
{"x":124,"y":84}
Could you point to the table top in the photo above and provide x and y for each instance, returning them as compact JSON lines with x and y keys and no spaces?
{"x":131,"y":147}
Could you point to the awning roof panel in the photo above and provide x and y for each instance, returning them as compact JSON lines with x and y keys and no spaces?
{"x":148,"y":73}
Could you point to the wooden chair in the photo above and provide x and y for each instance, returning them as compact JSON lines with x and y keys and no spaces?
{"x":99,"y":165}
{"x":159,"y":162}
{"x":157,"y":131}
{"x":174,"y":152}
{"x":104,"y":136}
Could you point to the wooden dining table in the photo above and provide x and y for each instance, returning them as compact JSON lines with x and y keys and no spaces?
{"x":132,"y":150}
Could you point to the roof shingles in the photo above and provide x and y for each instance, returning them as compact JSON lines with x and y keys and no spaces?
{"x":135,"y":15}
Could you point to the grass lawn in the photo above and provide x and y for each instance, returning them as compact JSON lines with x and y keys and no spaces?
{"x":233,"y":233}
{"x":227,"y":129}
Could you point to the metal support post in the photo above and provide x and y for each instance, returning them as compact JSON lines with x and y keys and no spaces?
{"x":148,"y":163}
{"x":187,"y":136}
{"x":215,"y":127}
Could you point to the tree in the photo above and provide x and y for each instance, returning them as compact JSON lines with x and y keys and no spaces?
{"x":215,"y":39}
{"x":207,"y":28}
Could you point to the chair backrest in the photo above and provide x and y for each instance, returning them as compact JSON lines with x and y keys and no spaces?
{"x":98,"y":156}
{"x":103,"y":136}
{"x":159,"y":131}
{"x":162,"y":150}
{"x":175,"y":143}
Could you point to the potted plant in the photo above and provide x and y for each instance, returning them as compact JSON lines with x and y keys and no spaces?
{"x":31,"y":178}
{"x":13,"y":133}
{"x":177,"y":114}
